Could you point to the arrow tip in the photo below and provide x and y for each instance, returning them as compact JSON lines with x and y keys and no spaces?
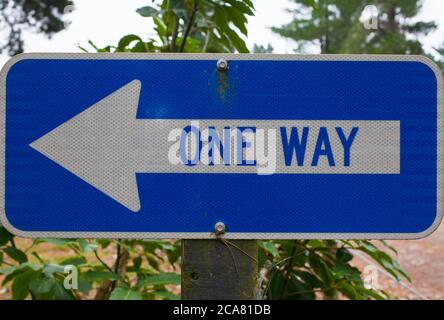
{"x":92,"y":147}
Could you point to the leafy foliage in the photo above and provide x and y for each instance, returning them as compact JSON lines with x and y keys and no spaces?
{"x":310,"y":269}
{"x":148,"y":269}
{"x":191,"y":26}
{"x":142,"y":269}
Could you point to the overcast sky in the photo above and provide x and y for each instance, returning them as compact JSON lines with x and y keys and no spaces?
{"x":106,"y":21}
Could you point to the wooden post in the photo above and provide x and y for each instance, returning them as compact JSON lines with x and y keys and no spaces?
{"x":217,"y":269}
{"x":212,"y":269}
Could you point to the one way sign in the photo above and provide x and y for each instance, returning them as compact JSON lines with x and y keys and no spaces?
{"x":273,"y":146}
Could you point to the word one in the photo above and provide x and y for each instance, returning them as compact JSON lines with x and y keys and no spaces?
{"x":274,"y":146}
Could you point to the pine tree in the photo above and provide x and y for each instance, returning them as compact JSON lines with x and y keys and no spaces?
{"x":337,"y":26}
{"x":38,"y":16}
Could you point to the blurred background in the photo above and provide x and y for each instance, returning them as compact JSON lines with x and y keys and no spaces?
{"x":284,"y":25}
{"x":150,"y":269}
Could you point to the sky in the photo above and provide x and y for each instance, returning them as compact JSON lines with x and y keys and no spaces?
{"x":106,"y":21}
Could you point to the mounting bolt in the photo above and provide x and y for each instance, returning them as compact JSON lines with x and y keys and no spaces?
{"x":219,"y":228}
{"x":222,"y":65}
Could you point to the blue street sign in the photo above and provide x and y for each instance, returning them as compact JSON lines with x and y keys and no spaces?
{"x":273,"y":146}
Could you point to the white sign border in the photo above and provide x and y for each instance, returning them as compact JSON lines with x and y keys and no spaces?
{"x":216,"y":56}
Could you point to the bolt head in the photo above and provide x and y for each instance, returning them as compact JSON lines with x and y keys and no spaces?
{"x":222,"y":64}
{"x":219,"y":228}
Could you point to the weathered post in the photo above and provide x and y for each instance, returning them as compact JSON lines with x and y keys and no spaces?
{"x":218,"y":270}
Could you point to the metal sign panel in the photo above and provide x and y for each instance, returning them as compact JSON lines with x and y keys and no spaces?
{"x":167,"y":145}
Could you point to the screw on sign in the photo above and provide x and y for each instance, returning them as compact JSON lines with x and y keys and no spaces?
{"x":222,"y":65}
{"x":247,"y":147}
{"x":219,"y":228}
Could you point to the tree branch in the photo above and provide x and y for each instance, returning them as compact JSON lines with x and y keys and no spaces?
{"x":207,"y":41}
{"x":287,"y":273}
{"x":108,"y":285}
{"x":190,"y":24}
{"x":102,"y":262}
{"x":173,"y":45}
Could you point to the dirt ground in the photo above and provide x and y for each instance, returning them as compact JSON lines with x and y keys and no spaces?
{"x":423,"y":259}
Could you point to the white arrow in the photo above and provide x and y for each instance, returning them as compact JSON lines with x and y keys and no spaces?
{"x":106,"y":145}
{"x":93,"y":145}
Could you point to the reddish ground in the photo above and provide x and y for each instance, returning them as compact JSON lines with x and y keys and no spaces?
{"x":424,"y":261}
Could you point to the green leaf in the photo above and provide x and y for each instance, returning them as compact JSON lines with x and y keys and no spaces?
{"x":51,"y":268}
{"x":84,"y":285}
{"x":178,"y":7}
{"x":98,"y":275}
{"x":310,"y":279}
{"x":8,"y":270}
{"x":161,"y":28}
{"x":177,"y":4}
{"x":141,"y":47}
{"x":126,"y":41}
{"x":151,"y":245}
{"x":60,"y":293}
{"x":387,"y":262}
{"x":249,"y":3}
{"x":162,"y":278}
{"x":269,"y":247}
{"x":347,"y":271}
{"x":276,"y":285}
{"x":1,"y":257}
{"x":343,"y":256}
{"x":12,"y":271}
{"x":41,"y":285}
{"x":237,"y":41}
{"x":16,"y":254}
{"x":312,"y":4}
{"x":5,"y":236}
{"x":192,"y":45}
{"x":298,"y":290}
{"x":320,"y":268}
{"x":370,"y":293}
{"x":85,"y":246}
{"x":369,"y":246}
{"x":137,"y":262}
{"x":241,"y":6}
{"x":104,"y":243}
{"x":387,"y":245}
{"x":220,"y":19}
{"x":175,"y":254}
{"x":20,"y":285}
{"x":237,"y":18}
{"x":147,"y":11}
{"x":315,"y":243}
{"x":78,"y":260}
{"x":56,"y":242}
{"x":348,"y":290}
{"x":166,"y":295}
{"x":125,"y":294}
